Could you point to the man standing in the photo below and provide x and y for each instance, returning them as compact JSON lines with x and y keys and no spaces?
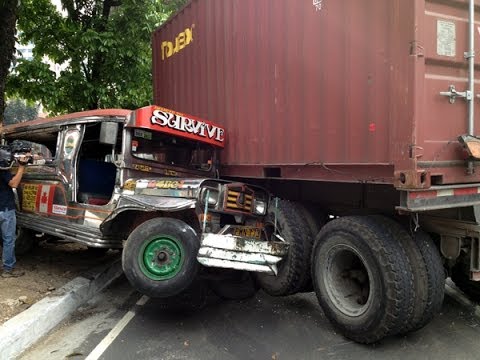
{"x":8,"y":220}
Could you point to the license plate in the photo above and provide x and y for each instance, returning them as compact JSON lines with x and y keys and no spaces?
{"x":249,"y":232}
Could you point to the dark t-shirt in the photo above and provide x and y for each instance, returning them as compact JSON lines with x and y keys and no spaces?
{"x":7,"y":199}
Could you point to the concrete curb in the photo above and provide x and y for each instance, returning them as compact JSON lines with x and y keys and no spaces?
{"x":23,"y":330}
{"x":457,"y":295}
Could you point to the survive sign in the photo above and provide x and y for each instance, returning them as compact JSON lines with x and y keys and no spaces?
{"x":157,"y":118}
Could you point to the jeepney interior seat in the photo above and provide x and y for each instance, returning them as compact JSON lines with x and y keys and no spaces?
{"x":96,"y":181}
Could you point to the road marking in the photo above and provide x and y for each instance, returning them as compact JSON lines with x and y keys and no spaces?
{"x":112,"y":335}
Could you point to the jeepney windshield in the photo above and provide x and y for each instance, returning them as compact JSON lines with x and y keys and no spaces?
{"x":171,"y":150}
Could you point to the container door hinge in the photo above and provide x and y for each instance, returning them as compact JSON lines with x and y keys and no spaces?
{"x":453,"y":94}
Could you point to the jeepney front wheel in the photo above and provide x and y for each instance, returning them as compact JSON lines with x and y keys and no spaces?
{"x":160,"y":257}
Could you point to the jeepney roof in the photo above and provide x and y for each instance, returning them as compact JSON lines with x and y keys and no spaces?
{"x":153,"y":118}
{"x":57,"y":121}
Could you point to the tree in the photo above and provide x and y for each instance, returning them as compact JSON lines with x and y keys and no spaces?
{"x":8,"y":20}
{"x":102,"y":46}
{"x":17,"y":110}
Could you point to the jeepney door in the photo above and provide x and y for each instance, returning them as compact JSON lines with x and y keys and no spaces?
{"x":49,"y":183}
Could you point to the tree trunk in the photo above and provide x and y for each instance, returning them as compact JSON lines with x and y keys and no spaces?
{"x":8,"y":21}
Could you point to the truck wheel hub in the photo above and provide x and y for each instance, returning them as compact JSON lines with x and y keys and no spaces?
{"x":348,"y":281}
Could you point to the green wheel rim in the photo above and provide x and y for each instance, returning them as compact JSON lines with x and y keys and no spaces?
{"x":161,"y":258}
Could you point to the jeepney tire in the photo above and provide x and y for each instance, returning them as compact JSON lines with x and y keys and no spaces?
{"x":362,"y":279}
{"x":292,"y":270}
{"x":314,"y":219}
{"x":421,"y":288}
{"x":24,"y":240}
{"x":172,"y":239}
{"x":239,"y":285}
{"x":460,"y":276}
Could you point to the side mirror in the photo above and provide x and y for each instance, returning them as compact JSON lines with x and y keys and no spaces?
{"x":108,"y":133}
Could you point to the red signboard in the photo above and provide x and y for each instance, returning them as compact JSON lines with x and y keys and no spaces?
{"x":156,"y":118}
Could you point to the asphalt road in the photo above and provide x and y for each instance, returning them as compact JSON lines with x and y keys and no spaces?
{"x":121,"y":324}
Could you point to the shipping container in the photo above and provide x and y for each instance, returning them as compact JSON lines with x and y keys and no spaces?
{"x":325,"y":90}
{"x":350,"y":110}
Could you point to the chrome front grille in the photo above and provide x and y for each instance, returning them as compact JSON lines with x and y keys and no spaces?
{"x":239,"y":199}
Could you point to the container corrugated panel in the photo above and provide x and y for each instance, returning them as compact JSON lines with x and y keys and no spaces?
{"x":338,"y":90}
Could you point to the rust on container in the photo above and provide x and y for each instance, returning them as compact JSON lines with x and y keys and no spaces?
{"x":347,"y":91}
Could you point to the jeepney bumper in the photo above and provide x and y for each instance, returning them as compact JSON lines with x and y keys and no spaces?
{"x":241,"y":253}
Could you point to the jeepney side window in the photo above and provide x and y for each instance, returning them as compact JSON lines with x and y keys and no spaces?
{"x":41,"y":152}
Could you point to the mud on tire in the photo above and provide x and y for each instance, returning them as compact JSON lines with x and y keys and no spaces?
{"x":362,"y":279}
{"x":293,"y":270}
{"x":160,"y":257}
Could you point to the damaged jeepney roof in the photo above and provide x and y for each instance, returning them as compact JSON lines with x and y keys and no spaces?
{"x":57,"y":121}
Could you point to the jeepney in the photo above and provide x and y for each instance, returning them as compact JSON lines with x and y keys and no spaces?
{"x":145,"y":181}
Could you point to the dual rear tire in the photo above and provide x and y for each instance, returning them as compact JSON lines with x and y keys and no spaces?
{"x":372,"y":278}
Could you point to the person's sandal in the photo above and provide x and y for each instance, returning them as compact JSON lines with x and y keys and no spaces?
{"x":12,"y":273}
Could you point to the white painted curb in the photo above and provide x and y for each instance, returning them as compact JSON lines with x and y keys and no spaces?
{"x":25,"y":329}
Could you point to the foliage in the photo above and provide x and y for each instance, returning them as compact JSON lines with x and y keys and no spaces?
{"x":102,"y":46}
{"x":8,"y":20}
{"x":18,"y":110}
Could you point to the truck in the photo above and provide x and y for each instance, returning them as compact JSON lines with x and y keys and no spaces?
{"x":144,"y":181}
{"x":361,"y":117}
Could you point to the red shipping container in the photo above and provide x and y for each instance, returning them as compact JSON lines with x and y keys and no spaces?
{"x":332,"y":90}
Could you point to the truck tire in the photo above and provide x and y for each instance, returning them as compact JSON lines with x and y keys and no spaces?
{"x":193,"y":298}
{"x":240,"y":285}
{"x":24,"y":240}
{"x":362,"y":279}
{"x":419,"y":272}
{"x":435,"y":277}
{"x":160,"y":257}
{"x":460,"y":276}
{"x":292,"y":271}
{"x":314,"y":219}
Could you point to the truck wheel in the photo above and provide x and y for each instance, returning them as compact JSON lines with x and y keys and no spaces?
{"x":460,"y":276}
{"x":435,"y":277}
{"x":419,"y":272}
{"x":314,"y":220}
{"x":24,"y":240}
{"x":194,"y":297}
{"x":160,"y":257}
{"x":362,"y":279}
{"x":292,"y":270}
{"x":240,"y":285}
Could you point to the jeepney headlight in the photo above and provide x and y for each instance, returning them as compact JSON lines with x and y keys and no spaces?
{"x":260,"y":207}
{"x":210,"y":196}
